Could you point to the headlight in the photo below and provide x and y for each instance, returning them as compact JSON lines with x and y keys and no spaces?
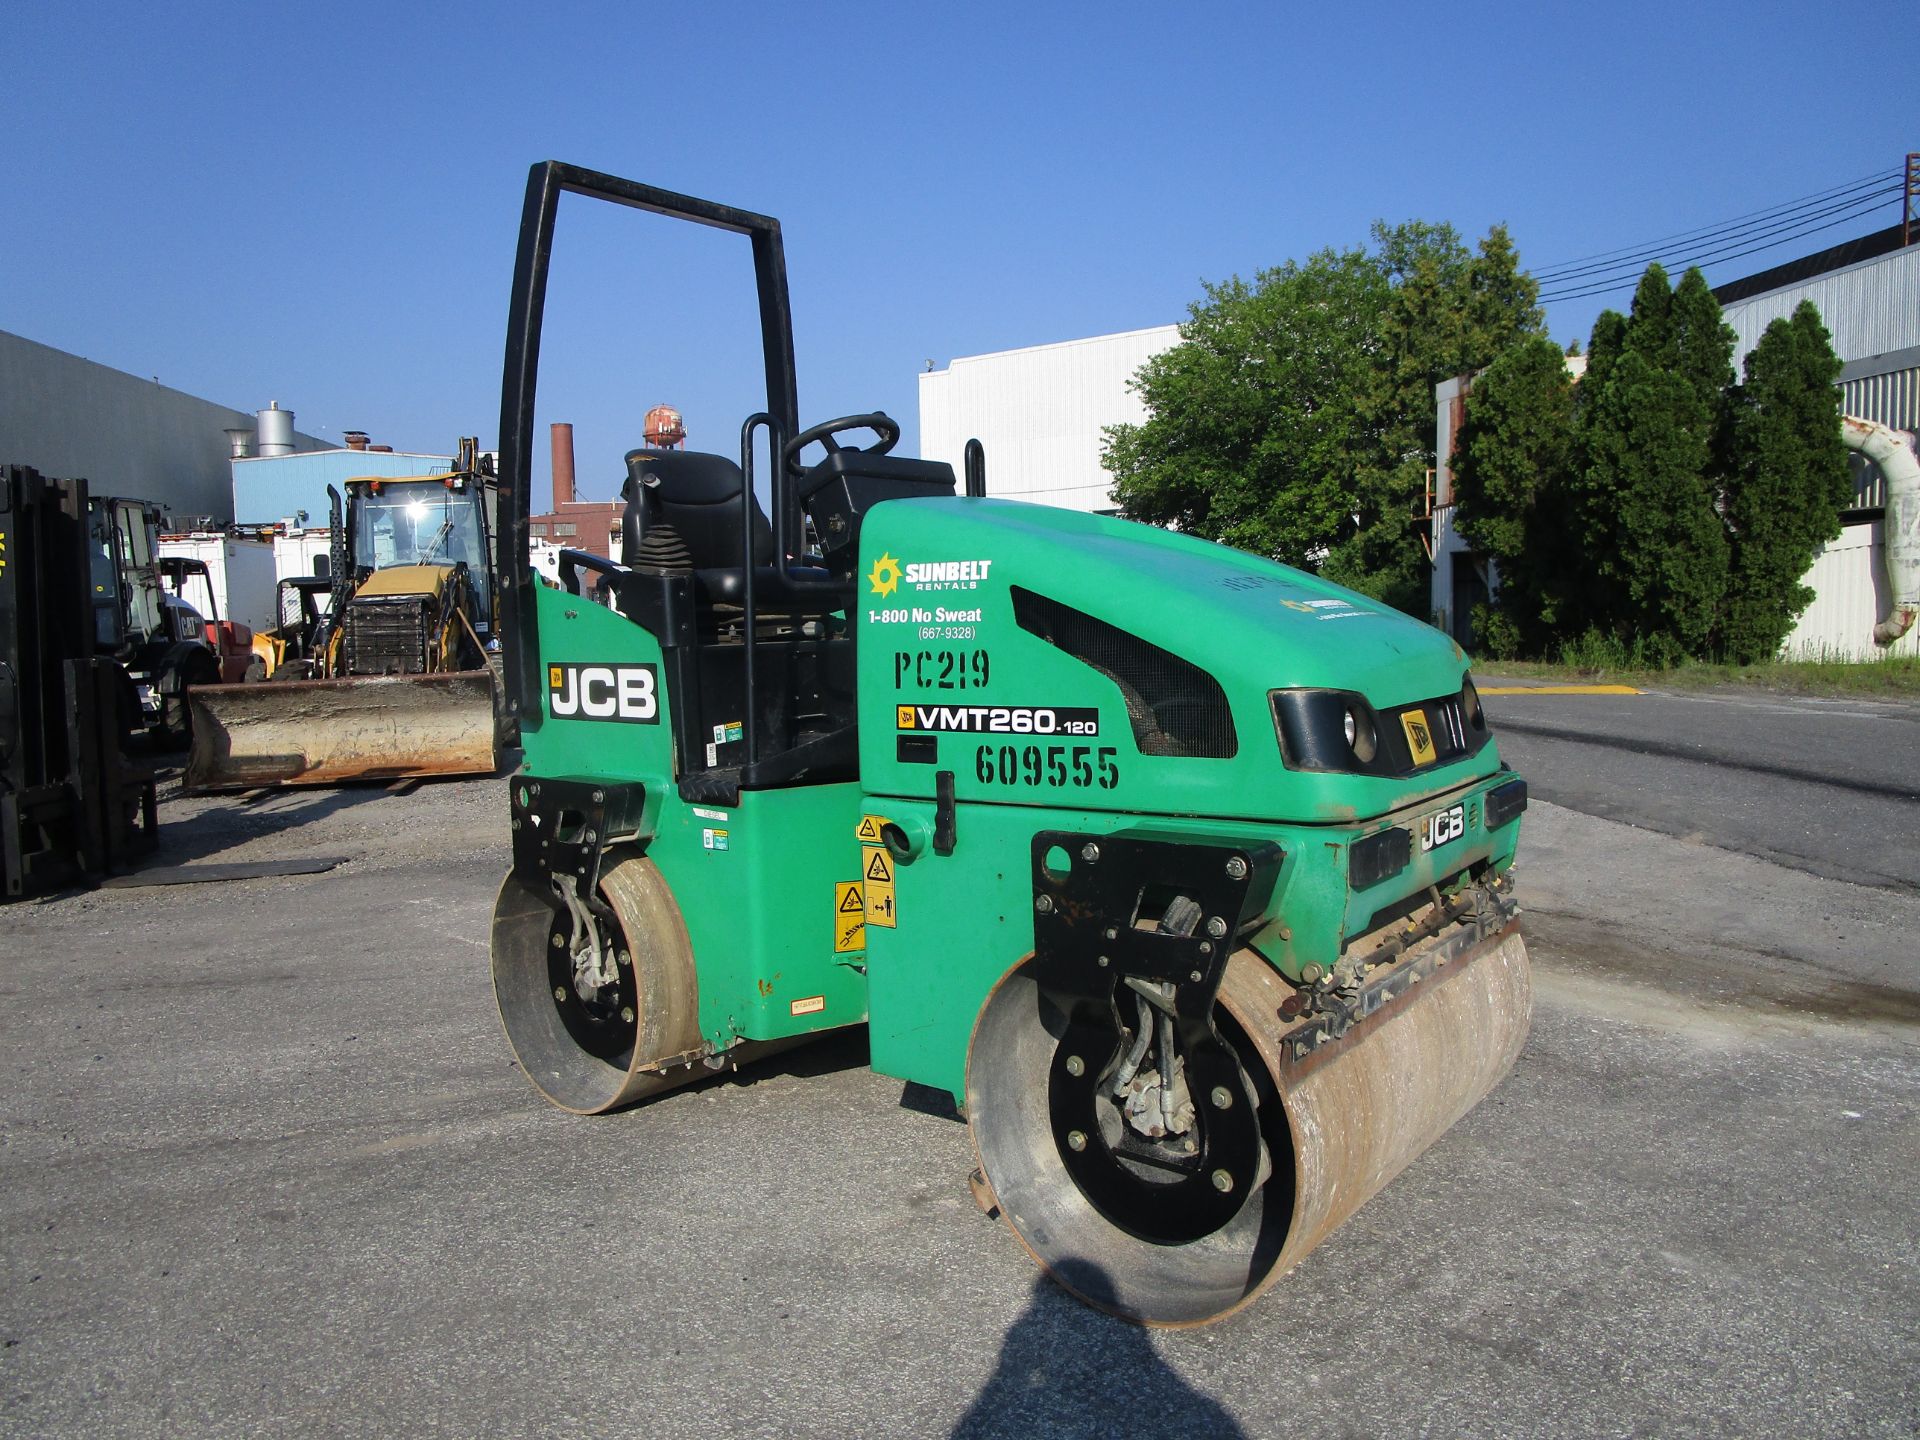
{"x":1339,"y":732}
{"x":1362,"y":739}
{"x":1328,"y":730}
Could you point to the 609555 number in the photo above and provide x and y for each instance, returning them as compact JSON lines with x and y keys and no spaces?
{"x":1078,"y":766}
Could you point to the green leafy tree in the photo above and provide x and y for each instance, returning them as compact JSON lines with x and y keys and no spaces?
{"x":1511,"y":487}
{"x":1296,"y":418}
{"x":1788,"y":482}
{"x":1251,"y":433}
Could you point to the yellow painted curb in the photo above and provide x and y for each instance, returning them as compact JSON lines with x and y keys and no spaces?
{"x":1558,"y":690}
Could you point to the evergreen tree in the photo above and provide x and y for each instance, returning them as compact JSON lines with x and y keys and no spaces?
{"x":1604,"y":344}
{"x":1702,"y":341}
{"x":1595,"y":591}
{"x":1646,"y":494}
{"x":1449,"y":312}
{"x":1668,"y":563}
{"x":1788,"y":484}
{"x":1511,"y":473}
{"x":1650,"y":328}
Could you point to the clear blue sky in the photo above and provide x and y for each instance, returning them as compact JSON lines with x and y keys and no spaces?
{"x":319,"y":205}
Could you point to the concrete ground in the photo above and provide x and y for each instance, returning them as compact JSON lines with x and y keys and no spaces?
{"x":266,"y":1165}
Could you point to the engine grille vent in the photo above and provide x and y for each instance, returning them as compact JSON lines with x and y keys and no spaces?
{"x":386,"y":637}
{"x":1175,"y":707}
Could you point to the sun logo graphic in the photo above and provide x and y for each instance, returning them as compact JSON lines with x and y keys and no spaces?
{"x":885,"y":575}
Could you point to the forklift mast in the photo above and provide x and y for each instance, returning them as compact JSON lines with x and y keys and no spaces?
{"x":71,"y":805}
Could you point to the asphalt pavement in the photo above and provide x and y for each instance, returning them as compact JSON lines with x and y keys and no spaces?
{"x":267,"y":1166}
{"x":1827,"y":786}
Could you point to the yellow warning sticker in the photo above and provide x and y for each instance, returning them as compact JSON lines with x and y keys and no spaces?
{"x":812,"y":1005}
{"x":867,"y":832}
{"x":1419,"y":738}
{"x":876,"y":887}
{"x":849,"y":918}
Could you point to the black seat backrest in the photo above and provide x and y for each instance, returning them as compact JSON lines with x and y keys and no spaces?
{"x":840,"y":490}
{"x":701,"y":497}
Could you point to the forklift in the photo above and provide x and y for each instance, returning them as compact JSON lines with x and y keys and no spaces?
{"x":73,"y":803}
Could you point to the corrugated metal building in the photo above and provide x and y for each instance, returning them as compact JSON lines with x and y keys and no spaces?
{"x":1039,"y":412}
{"x":125,"y":434}
{"x":1872,"y":310}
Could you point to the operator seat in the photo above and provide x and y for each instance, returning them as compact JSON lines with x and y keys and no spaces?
{"x":702,"y":500}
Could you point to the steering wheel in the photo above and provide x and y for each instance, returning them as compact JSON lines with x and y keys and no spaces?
{"x":882,"y":424}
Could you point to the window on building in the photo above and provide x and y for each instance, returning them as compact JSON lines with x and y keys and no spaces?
{"x":539,"y":529}
{"x":567,"y":528}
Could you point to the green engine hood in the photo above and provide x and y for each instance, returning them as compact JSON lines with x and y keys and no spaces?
{"x":938,"y":629}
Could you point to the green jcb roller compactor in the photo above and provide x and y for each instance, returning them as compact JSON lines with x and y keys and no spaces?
{"x":1185,"y":873}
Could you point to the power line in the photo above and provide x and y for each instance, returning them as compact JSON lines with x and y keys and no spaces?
{"x":1622,"y":282}
{"x":1854,"y":205}
{"x":1745,"y":244}
{"x":1560,"y":266}
{"x":1783,"y":215}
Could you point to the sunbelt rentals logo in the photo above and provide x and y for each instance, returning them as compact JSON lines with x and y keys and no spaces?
{"x":885,"y":575}
{"x":889,"y":575}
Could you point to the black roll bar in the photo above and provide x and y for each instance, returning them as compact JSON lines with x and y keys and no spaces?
{"x":546,"y":182}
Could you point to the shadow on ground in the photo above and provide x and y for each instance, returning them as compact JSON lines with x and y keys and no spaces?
{"x":1066,"y":1370}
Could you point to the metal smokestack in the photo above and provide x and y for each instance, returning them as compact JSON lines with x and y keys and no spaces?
{"x":562,"y":464}
{"x":276,"y":430}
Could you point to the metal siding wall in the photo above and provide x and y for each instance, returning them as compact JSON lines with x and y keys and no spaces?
{"x":1040,"y":413}
{"x":1870,"y":309}
{"x":1848,"y":579}
{"x":68,"y":416}
{"x":1892,"y":399}
{"x":271,"y":488}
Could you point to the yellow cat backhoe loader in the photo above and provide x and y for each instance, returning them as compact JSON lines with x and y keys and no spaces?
{"x":383,"y":665}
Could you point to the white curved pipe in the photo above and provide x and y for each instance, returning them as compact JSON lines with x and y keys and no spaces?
{"x":1891,"y":451}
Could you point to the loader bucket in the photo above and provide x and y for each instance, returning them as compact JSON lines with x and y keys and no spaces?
{"x":327,"y":732}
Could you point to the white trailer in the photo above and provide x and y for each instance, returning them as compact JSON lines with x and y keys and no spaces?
{"x":240,"y":571}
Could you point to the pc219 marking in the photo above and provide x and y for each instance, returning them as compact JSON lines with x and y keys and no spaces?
{"x":627,"y":693}
{"x":1443,"y":826}
{"x":940,"y":669}
{"x":1054,"y":765}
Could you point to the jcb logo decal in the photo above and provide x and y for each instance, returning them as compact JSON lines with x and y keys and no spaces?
{"x":604,"y":692}
{"x":1419,"y":737}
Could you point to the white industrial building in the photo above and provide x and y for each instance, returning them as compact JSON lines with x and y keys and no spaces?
{"x":1040,"y":412}
{"x":1868,"y":293}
